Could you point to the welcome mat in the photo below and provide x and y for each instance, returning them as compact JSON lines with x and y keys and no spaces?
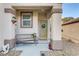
{"x":51,"y":53}
{"x":12,"y":53}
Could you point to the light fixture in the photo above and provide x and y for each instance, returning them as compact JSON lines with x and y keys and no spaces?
{"x":13,"y":20}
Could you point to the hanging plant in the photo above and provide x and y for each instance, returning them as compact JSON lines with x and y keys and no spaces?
{"x":34,"y":35}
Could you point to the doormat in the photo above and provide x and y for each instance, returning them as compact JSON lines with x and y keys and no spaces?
{"x":51,"y":53}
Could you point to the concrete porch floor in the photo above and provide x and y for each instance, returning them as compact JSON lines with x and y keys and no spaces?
{"x":32,"y":49}
{"x":69,"y":49}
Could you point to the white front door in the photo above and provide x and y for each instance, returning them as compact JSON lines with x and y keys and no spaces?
{"x":43,"y":29}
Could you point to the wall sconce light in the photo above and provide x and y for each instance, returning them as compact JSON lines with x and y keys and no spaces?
{"x":13,"y":20}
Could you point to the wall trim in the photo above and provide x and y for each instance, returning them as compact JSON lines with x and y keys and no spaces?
{"x":57,"y":45}
{"x":11,"y":42}
{"x":57,"y":10}
{"x":68,"y":23}
{"x":9,"y":10}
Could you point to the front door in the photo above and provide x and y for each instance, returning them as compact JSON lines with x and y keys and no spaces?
{"x":43,"y":29}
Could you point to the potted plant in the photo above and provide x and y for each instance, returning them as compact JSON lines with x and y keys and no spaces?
{"x":35,"y":38}
{"x":34,"y":35}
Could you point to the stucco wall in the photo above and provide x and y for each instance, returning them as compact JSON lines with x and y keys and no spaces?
{"x":7,"y":30}
{"x":1,"y":27}
{"x":42,"y":16}
{"x":32,"y":30}
{"x":56,"y":26}
{"x":7,"y":25}
{"x":71,"y":32}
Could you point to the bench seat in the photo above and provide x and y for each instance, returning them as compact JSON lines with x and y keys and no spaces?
{"x":26,"y":38}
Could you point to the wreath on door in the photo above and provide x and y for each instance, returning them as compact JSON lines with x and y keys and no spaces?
{"x":43,"y":25}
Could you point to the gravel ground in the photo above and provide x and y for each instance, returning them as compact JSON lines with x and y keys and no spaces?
{"x":12,"y":53}
{"x":69,"y":49}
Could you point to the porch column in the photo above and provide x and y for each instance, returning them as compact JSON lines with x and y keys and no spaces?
{"x":56,"y":27}
{"x":9,"y":30}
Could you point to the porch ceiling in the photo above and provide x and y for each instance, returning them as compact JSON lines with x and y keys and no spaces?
{"x":40,"y":9}
{"x":30,"y":6}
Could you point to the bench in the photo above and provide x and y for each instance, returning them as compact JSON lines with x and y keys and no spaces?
{"x":26,"y":38}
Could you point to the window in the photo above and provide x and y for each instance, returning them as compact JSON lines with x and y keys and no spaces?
{"x":26,"y":20}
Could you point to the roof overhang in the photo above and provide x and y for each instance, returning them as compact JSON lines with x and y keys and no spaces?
{"x":40,"y":7}
{"x":32,"y":6}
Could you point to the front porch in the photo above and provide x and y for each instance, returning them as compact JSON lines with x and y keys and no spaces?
{"x":44,"y":20}
{"x":47,"y":15}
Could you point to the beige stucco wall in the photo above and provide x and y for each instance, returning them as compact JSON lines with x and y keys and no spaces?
{"x":42,"y":16}
{"x":1,"y":25}
{"x":6,"y":26}
{"x":9,"y":30}
{"x":71,"y":32}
